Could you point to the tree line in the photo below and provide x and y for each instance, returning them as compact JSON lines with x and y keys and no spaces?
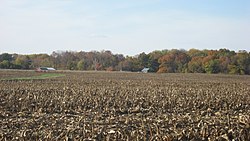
{"x":164,"y":61}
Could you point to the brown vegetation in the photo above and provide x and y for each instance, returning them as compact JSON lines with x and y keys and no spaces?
{"x":125,"y":106}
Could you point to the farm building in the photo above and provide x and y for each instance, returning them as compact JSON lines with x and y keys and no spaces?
{"x":145,"y":70}
{"x":45,"y":69}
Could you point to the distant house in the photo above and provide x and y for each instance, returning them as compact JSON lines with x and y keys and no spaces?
{"x":145,"y":70}
{"x":44,"y":69}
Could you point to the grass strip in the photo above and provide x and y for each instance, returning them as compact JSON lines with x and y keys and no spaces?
{"x":43,"y":76}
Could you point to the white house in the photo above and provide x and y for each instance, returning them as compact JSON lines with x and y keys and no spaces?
{"x":145,"y":70}
{"x":44,"y":69}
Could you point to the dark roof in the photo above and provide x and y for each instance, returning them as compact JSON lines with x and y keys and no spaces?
{"x":43,"y":68}
{"x":46,"y":68}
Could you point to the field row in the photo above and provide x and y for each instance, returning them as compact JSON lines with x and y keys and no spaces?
{"x":125,"y":106}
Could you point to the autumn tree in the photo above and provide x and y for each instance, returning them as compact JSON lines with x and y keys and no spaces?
{"x":24,"y":61}
{"x":153,"y":63}
{"x":174,"y":61}
{"x":195,"y":65}
{"x":80,"y":65}
{"x":131,"y":64}
{"x":196,"y":53}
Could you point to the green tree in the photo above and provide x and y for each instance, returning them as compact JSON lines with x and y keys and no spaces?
{"x":6,"y":56}
{"x":243,"y":61}
{"x":5,"y":64}
{"x":234,"y":69}
{"x":195,"y":65}
{"x":23,"y":61}
{"x":212,"y":66}
{"x":131,"y":64}
{"x":153,"y":63}
{"x":196,"y":53}
{"x":143,"y":59}
{"x":80,"y":65}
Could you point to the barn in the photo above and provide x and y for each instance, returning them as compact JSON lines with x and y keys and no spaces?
{"x":145,"y":70}
{"x":45,"y":69}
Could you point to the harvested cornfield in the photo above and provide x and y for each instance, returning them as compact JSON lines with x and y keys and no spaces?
{"x":125,"y":106}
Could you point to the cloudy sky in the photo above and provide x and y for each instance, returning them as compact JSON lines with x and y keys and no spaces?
{"x":123,"y":26}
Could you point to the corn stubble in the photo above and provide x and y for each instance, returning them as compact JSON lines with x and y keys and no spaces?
{"x":126,"y":106}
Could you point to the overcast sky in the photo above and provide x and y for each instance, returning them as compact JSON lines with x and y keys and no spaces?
{"x":123,"y":26}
